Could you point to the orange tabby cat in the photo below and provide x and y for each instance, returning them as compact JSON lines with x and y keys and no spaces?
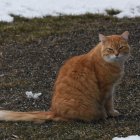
{"x":84,"y":86}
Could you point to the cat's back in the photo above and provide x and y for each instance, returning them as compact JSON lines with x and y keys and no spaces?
{"x":75,"y":80}
{"x":74,"y":67}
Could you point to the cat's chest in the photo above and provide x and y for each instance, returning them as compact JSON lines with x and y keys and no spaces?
{"x":113,"y":77}
{"x":107,"y":83}
{"x":109,"y":76}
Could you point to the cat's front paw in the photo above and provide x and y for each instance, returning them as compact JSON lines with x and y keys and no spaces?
{"x":114,"y":113}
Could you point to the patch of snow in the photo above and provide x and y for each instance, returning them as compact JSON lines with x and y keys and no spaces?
{"x":133,"y":137}
{"x":36,"y":8}
{"x":1,"y":75}
{"x":2,"y":114}
{"x":32,"y":95}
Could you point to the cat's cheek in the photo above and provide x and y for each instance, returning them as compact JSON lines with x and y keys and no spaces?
{"x":123,"y":57}
{"x":108,"y":59}
{"x":113,"y":58}
{"x":105,"y":58}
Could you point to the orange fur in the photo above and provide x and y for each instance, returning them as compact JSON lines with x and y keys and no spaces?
{"x":84,"y":86}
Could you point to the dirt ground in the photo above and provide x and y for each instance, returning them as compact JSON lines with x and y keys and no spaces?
{"x":31,"y":53}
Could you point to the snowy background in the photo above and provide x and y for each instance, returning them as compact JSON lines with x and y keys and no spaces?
{"x":136,"y":137}
{"x":40,"y":8}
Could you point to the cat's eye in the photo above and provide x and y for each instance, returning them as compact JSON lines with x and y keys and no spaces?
{"x":109,"y":49}
{"x":121,"y":47}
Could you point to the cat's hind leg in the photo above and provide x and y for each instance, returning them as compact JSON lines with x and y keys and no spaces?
{"x":85,"y":113}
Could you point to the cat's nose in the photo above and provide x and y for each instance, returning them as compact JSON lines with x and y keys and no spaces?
{"x":116,"y":54}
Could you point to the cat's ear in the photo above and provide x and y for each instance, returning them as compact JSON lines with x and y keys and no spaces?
{"x":125,"y":35}
{"x":102,"y":38}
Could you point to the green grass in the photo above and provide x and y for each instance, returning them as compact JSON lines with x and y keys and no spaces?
{"x":24,"y":30}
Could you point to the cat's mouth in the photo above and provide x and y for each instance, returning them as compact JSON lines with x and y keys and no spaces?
{"x":114,"y":58}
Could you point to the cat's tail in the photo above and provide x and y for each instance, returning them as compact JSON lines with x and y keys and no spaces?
{"x":28,"y":116}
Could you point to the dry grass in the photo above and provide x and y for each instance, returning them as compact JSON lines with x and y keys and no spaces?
{"x":31,"y":53}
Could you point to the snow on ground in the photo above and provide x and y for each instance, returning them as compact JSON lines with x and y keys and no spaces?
{"x":40,"y":8}
{"x":136,"y":137}
{"x":29,"y":95}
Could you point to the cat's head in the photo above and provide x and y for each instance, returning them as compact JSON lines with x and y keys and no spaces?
{"x":115,"y":48}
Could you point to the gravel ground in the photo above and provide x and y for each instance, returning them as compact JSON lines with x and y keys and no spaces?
{"x":33,"y":66}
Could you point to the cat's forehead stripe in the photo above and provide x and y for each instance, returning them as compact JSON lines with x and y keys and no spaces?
{"x":115,"y":40}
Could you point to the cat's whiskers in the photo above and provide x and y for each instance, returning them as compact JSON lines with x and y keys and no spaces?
{"x":113,"y":58}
